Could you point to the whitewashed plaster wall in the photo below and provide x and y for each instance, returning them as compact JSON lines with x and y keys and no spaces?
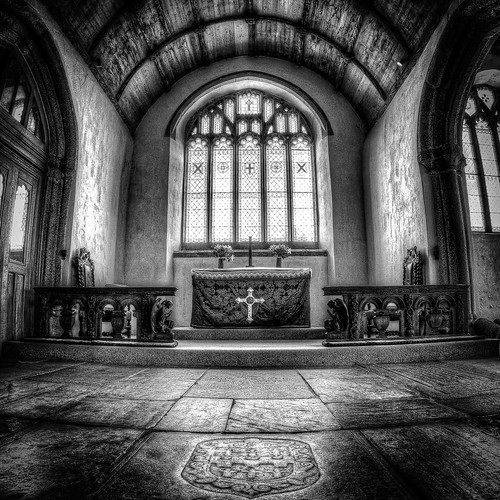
{"x":104,"y":157}
{"x":154,"y":219}
{"x":398,"y":197}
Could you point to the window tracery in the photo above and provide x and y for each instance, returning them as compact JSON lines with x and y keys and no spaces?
{"x":481,"y":148}
{"x":17,"y":96}
{"x":249,"y":172}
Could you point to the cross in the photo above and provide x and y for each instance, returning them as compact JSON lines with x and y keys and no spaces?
{"x":250,"y":301}
{"x":250,"y":168}
{"x":197,"y":168}
{"x":302,"y":167}
{"x":249,"y":104}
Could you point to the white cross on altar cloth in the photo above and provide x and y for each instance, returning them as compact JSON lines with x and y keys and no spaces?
{"x":250,"y":301}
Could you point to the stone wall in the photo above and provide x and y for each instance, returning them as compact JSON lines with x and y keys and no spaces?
{"x":486,"y":275}
{"x":394,"y":195}
{"x":398,"y":197}
{"x":104,"y":153}
{"x":154,"y":220}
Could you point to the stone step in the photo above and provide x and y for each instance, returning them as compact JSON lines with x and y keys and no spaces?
{"x":252,"y":354}
{"x":238,"y":334}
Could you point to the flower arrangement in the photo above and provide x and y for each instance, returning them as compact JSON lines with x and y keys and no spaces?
{"x":280,"y":250}
{"x":223,"y":252}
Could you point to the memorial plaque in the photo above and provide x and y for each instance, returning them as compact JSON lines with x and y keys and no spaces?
{"x":251,"y":467}
{"x":251,"y":384}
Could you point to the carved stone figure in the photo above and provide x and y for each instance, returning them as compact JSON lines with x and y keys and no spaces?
{"x":161,"y":325}
{"x":413,"y":268}
{"x":76,"y":320}
{"x":336,"y":326}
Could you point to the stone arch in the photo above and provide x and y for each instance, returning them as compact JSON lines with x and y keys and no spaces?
{"x":22,"y":28}
{"x":467,"y":38}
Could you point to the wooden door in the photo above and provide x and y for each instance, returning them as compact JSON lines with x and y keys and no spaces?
{"x":18,"y":239}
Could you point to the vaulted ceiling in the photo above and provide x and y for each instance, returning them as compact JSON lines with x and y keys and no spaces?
{"x":138,"y":49}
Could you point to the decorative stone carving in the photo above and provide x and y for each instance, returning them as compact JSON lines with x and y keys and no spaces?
{"x":337,"y":325}
{"x":161,"y":325}
{"x":408,"y":306}
{"x":85,"y":308}
{"x":413,"y":268}
{"x":251,"y":467}
{"x":84,"y":269}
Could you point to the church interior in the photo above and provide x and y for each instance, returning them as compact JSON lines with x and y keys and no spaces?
{"x":250,"y":249}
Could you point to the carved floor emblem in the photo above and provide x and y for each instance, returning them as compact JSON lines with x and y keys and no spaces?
{"x":251,"y":467}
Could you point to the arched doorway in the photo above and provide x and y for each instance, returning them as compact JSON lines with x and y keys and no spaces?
{"x":37,"y":157}
{"x":463,"y":45}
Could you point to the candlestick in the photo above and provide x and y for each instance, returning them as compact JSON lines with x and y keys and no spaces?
{"x":250,"y":252}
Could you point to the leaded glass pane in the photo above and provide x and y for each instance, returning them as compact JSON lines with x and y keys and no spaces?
{"x":20,"y":101}
{"x":230,"y":109}
{"x":248,"y":103}
{"x":293,"y":123}
{"x":280,"y":123}
{"x":476,"y":208}
{"x":249,"y":190}
{"x":11,"y":77}
{"x":268,"y":109}
{"x":222,"y":196}
{"x":470,"y":108}
{"x":217,"y":124}
{"x":19,"y":222}
{"x":205,"y":124}
{"x":196,"y":194}
{"x":242,"y":127}
{"x":256,"y":126}
{"x":486,"y":95}
{"x":277,"y":206}
{"x":302,"y":191}
{"x":485,"y":141}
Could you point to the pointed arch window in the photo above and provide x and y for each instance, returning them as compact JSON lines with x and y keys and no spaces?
{"x":249,"y":171}
{"x":17,"y":95}
{"x":481,"y":148}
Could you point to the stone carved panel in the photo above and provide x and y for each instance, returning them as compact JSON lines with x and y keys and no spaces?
{"x":251,"y":467}
{"x":415,"y":310}
{"x":82,"y":312}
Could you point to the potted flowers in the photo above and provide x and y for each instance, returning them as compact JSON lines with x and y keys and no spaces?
{"x":223,"y":252}
{"x":281,"y":251}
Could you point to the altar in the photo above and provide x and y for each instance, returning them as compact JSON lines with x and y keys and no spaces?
{"x":251,"y":297}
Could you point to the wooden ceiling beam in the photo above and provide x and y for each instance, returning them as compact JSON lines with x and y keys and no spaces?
{"x":298,"y":26}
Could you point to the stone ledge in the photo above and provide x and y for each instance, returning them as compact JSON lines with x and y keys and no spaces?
{"x":270,"y":354}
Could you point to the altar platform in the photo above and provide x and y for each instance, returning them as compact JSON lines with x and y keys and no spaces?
{"x":304,"y":353}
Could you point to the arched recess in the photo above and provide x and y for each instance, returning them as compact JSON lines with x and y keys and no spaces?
{"x":24,"y":32}
{"x":462,"y":47}
{"x":154,"y":211}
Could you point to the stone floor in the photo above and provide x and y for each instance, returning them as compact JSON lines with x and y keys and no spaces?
{"x":79,"y":430}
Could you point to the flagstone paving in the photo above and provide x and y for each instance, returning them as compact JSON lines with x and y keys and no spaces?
{"x":414,"y":431}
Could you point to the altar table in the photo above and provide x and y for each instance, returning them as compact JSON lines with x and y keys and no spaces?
{"x":251,"y":297}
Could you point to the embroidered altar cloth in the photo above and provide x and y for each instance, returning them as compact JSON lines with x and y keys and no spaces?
{"x":285,"y":292}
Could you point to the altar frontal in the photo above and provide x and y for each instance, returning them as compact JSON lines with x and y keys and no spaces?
{"x":251,"y":297}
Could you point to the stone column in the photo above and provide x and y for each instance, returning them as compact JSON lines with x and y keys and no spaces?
{"x":445,"y":166}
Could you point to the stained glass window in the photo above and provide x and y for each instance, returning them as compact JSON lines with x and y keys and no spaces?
{"x":17,"y":96}
{"x":481,"y":148}
{"x":249,"y":172}
{"x":19,"y":221}
{"x":196,"y":195}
